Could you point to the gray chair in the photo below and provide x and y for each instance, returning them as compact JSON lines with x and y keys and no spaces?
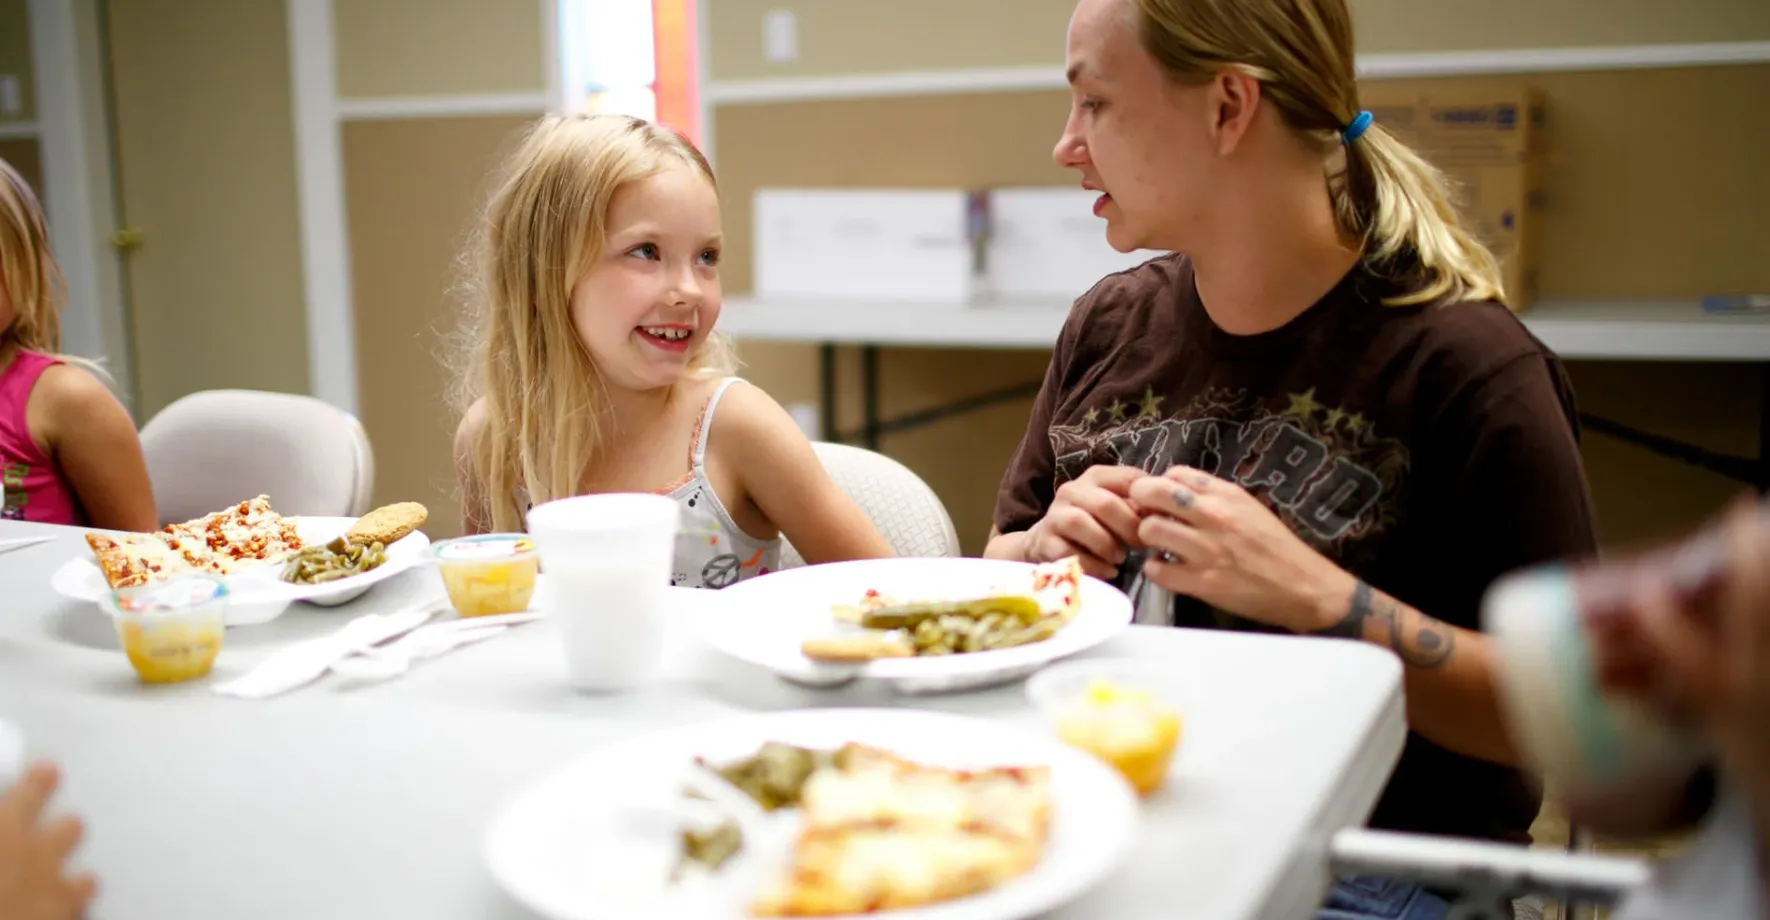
{"x":907,"y":512}
{"x":217,"y":447}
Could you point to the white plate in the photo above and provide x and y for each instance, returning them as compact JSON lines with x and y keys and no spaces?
{"x":594,"y":839}
{"x":764,"y":620}
{"x":260,"y":595}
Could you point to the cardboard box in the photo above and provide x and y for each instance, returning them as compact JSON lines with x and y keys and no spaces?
{"x":907,"y":245}
{"x":1489,"y":142}
{"x":1046,"y":244}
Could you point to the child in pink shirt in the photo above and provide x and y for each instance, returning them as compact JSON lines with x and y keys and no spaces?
{"x":68,"y":450}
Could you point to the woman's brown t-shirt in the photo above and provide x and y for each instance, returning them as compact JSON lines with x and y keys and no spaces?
{"x":1427,"y":450}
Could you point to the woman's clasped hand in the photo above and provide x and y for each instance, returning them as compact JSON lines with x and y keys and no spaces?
{"x":1206,"y":537}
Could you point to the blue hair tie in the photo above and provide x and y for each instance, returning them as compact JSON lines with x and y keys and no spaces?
{"x":1356,"y":129}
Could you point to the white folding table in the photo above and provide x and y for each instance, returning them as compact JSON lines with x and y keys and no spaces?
{"x":371,"y":802}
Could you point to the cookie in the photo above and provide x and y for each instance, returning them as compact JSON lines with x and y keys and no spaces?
{"x":856,"y":648}
{"x":387,"y":525}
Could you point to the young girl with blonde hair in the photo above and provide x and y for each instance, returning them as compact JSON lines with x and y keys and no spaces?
{"x":1318,"y":416}
{"x":594,"y":365}
{"x":68,"y":450}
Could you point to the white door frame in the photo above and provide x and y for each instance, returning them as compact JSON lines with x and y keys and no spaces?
{"x":325,"y":236}
{"x":76,"y":184}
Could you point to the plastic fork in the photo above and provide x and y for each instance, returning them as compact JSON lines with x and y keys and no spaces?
{"x":372,"y":664}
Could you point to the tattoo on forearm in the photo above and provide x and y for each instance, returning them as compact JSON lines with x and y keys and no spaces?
{"x":1351,"y":626}
{"x":1420,"y":640}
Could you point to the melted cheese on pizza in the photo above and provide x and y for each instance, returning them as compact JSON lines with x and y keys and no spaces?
{"x":221,"y":543}
{"x":863,"y":870}
{"x":883,"y":832}
{"x":883,"y":790}
{"x":1057,"y":586}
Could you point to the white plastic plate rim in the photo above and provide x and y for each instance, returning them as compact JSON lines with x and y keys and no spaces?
{"x":792,"y":605}
{"x":80,"y":579}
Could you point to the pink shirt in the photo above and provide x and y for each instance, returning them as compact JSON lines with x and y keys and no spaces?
{"x":32,"y":485}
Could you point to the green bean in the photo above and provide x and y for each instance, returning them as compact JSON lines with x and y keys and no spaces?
{"x":906,"y":616}
{"x":710,"y":848}
{"x":335,"y":560}
{"x":1037,"y":632}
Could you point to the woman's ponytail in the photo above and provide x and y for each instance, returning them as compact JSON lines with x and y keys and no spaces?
{"x":1400,"y":205}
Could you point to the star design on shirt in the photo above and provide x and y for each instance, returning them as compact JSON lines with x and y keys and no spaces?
{"x":1333,"y":418}
{"x":1303,"y":405}
{"x":1355,"y":423}
{"x":1116,"y":411}
{"x":1151,"y":404}
{"x":1091,"y":416}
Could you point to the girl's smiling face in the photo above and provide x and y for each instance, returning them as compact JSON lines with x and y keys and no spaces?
{"x":652,"y":297}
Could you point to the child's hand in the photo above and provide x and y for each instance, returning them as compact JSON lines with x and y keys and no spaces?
{"x":34,"y":852}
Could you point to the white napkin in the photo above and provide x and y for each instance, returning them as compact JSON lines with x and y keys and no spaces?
{"x":304,"y":662}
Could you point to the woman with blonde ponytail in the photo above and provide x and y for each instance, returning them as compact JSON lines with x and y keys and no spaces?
{"x":1317,"y":416}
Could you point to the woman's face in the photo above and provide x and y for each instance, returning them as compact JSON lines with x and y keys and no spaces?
{"x":1134,"y":135}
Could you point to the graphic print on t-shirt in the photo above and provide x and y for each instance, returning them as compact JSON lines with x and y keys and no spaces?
{"x":1325,"y":470}
{"x":12,"y":491}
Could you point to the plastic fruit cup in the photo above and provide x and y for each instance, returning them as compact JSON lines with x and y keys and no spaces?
{"x":171,"y":630}
{"x":488,"y":574}
{"x":1120,"y":710}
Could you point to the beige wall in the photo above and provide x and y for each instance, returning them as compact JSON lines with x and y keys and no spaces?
{"x":108,"y":282}
{"x":1640,"y":495}
{"x":863,"y":36}
{"x":412,"y":187}
{"x":860,"y":36}
{"x":15,"y":56}
{"x":206,"y":149}
{"x":437,"y":47}
{"x":27,"y":157}
{"x":1693,"y":224}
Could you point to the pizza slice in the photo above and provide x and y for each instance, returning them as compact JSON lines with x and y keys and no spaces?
{"x":220,"y":543}
{"x":882,"y":833}
{"x":238,"y":537}
{"x":130,"y":560}
{"x":1057,"y":586}
{"x":876,"y":786}
{"x":864,"y":869}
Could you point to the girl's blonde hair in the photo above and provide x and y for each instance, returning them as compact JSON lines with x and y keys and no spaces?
{"x":542,"y":229}
{"x":1385,"y":195}
{"x":33,"y":280}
